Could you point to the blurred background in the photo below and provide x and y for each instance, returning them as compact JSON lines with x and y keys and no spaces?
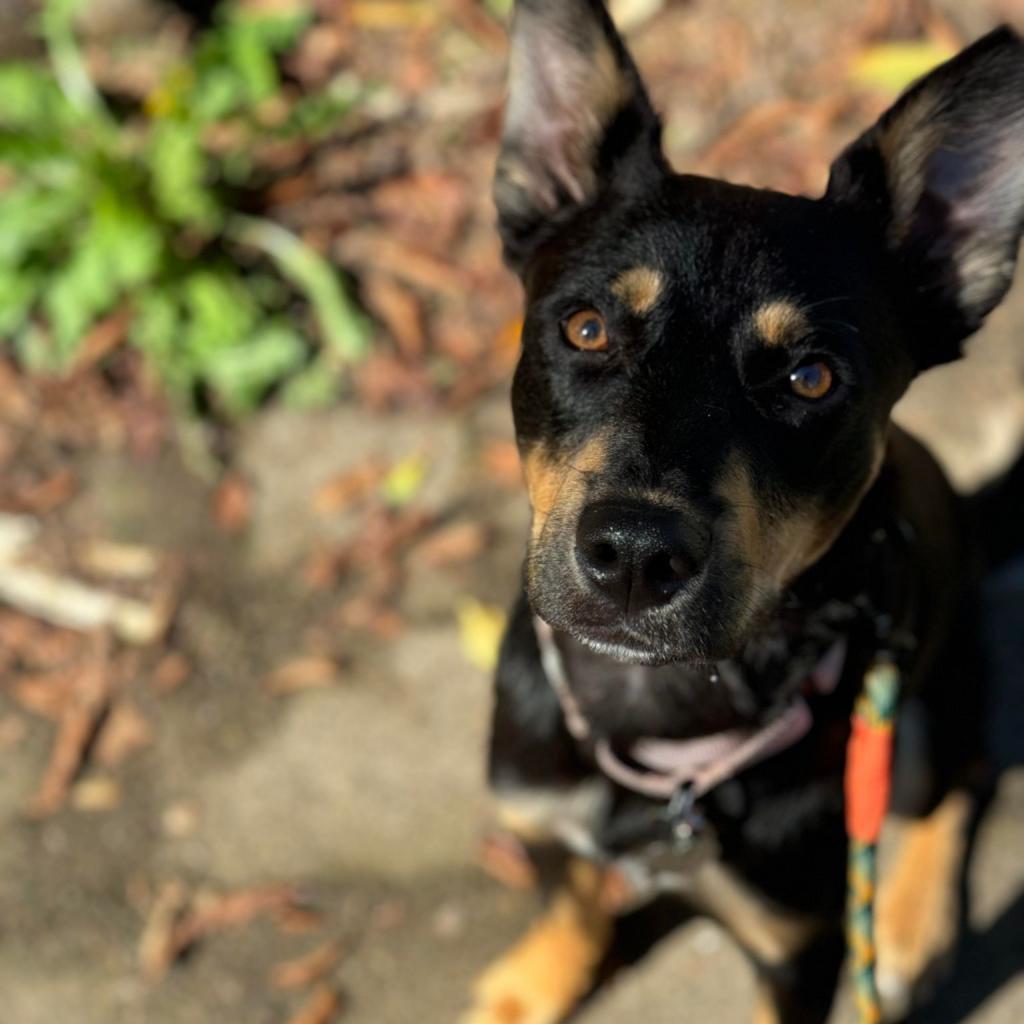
{"x":260,"y":510}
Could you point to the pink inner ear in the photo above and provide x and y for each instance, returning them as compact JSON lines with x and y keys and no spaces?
{"x":556,"y":94}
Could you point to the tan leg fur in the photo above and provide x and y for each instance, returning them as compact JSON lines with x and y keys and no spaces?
{"x":541,"y":980}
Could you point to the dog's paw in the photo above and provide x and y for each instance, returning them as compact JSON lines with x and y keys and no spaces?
{"x":522,"y":989}
{"x":544,"y":977}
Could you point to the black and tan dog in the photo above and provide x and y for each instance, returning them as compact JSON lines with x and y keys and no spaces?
{"x":727,"y":528}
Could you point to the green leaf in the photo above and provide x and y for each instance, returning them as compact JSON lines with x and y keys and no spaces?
{"x":217,"y":93}
{"x":34,"y":350}
{"x":29,"y":97}
{"x":132,"y":242}
{"x":220,"y":313}
{"x":314,"y":387}
{"x":243,"y":373}
{"x":18,"y":292}
{"x":119,"y":249}
{"x":250,"y":57}
{"x":156,"y":326}
{"x":78,"y":292}
{"x":32,"y":217}
{"x":181,"y":174}
{"x":342,"y":326}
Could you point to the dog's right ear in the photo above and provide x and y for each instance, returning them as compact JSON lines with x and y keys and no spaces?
{"x":941,"y":178}
{"x":577,"y":119}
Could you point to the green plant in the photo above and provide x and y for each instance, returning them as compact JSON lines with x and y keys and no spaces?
{"x":140,"y":211}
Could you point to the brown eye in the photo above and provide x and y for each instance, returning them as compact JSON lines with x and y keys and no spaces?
{"x":586,"y":330}
{"x":812,"y":381}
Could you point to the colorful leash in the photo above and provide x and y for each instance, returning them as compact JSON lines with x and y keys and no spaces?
{"x":867,"y":783}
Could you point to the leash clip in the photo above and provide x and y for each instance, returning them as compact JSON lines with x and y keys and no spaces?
{"x":684,"y":819}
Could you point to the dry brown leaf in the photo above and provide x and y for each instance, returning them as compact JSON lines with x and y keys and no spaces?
{"x":125,"y":731}
{"x":302,"y":971}
{"x":100,"y":340}
{"x":365,"y":613}
{"x":214,"y":912}
{"x":40,"y":497}
{"x":323,"y":567}
{"x":345,"y":488}
{"x":504,"y":858}
{"x":157,"y":946}
{"x":172,"y":670}
{"x":175,"y":923}
{"x":320,"y":1008}
{"x":386,"y":15}
{"x":502,"y":465}
{"x":456,"y":542}
{"x":384,"y":381}
{"x":232,"y":503}
{"x":399,"y":310}
{"x":373,"y":247}
{"x":307,"y":672}
{"x":47,"y":694}
{"x":509,"y":344}
{"x":296,"y":920}
{"x":428,"y":207}
{"x":78,"y":723}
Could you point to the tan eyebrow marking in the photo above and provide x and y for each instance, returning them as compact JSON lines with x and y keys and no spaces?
{"x":780,"y":322}
{"x":639,"y":288}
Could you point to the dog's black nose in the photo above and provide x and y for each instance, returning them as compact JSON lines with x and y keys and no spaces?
{"x":634,"y":553}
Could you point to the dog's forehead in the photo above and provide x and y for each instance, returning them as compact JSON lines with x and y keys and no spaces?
{"x":714,"y":249}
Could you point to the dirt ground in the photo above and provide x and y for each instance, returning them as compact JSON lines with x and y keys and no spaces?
{"x":362,"y":786}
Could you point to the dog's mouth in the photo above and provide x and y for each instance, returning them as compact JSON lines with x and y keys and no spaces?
{"x":621,"y":647}
{"x":707,"y":622}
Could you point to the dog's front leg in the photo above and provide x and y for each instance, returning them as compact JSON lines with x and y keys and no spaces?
{"x":543,"y":978}
{"x":797,"y":958}
{"x":919,"y":903}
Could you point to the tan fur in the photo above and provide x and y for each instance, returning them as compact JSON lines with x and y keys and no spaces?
{"x":541,"y":815}
{"x":639,"y":288}
{"x":771,"y":934}
{"x":775,"y":546}
{"x":919,"y":899}
{"x":780,"y":323}
{"x":781,"y":545}
{"x":543,"y":978}
{"x":766,"y":1010}
{"x":556,"y":480}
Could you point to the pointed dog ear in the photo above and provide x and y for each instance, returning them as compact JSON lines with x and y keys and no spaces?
{"x":942,"y":176}
{"x":577,"y":117}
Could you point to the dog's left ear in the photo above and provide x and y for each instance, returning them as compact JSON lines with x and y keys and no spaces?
{"x":577,"y":119}
{"x":941,"y":177}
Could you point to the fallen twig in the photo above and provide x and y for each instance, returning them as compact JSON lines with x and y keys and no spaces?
{"x":79,"y":721}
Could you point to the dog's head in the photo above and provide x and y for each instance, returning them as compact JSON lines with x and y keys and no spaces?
{"x":708,"y":370}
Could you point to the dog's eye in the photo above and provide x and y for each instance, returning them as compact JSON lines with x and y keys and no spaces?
{"x":812,"y":380}
{"x":585,"y":330}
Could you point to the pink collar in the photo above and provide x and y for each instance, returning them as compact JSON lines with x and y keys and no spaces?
{"x":702,"y":763}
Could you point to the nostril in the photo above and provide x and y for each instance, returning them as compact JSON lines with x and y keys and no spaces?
{"x":679,"y":567}
{"x":604,"y":553}
{"x":668,"y":571}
